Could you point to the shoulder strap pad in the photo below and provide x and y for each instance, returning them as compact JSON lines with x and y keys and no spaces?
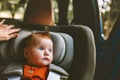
{"x":57,"y":73}
{"x":12,"y":68}
{"x":58,"y":69}
{"x":16,"y":69}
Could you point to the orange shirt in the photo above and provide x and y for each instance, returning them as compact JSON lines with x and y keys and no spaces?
{"x":35,"y":73}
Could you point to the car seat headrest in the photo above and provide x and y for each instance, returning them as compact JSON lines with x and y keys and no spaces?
{"x":12,"y":50}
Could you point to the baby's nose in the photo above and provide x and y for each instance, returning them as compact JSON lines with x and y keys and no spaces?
{"x":46,"y":53}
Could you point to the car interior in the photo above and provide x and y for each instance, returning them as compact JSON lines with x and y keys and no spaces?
{"x":75,"y":54}
{"x":80,"y":50}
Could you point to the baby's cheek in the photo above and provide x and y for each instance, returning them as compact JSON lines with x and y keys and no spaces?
{"x":51,"y":59}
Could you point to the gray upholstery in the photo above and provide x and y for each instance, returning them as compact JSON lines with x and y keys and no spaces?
{"x":75,"y":49}
{"x":16,"y":69}
{"x":15,"y":48}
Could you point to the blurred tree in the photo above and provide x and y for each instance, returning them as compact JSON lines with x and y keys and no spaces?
{"x":109,"y":17}
{"x":12,"y":5}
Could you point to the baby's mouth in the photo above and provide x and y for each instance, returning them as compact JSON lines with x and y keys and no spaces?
{"x":46,"y":59}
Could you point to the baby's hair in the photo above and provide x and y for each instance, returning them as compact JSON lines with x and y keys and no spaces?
{"x":35,"y":36}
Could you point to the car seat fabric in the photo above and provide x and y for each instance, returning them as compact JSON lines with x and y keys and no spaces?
{"x":84,"y":57}
{"x":15,"y":48}
{"x":81,"y":66}
{"x":16,"y":52}
{"x":14,"y":71}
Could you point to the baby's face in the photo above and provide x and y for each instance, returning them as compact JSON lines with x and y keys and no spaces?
{"x":41,"y":53}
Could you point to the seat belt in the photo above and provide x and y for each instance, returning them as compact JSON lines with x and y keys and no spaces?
{"x":53,"y":76}
{"x":14,"y":78}
{"x":55,"y":72}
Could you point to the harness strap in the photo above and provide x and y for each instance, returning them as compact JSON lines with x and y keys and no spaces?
{"x":53,"y":76}
{"x":14,"y":78}
{"x":14,"y":72}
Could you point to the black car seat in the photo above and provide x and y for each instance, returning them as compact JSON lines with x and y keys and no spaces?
{"x":74,"y":49}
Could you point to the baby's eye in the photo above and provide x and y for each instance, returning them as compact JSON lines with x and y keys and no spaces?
{"x":49,"y":50}
{"x":41,"y":48}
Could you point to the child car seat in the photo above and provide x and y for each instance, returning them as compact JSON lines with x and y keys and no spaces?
{"x":74,"y":50}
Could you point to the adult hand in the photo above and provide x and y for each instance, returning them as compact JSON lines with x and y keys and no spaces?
{"x":7,"y":31}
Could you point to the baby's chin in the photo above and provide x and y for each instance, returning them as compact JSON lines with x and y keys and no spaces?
{"x":43,"y":64}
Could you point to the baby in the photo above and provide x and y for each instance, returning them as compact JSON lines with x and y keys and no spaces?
{"x":38,"y":52}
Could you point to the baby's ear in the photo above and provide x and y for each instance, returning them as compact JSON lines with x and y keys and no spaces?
{"x":25,"y":52}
